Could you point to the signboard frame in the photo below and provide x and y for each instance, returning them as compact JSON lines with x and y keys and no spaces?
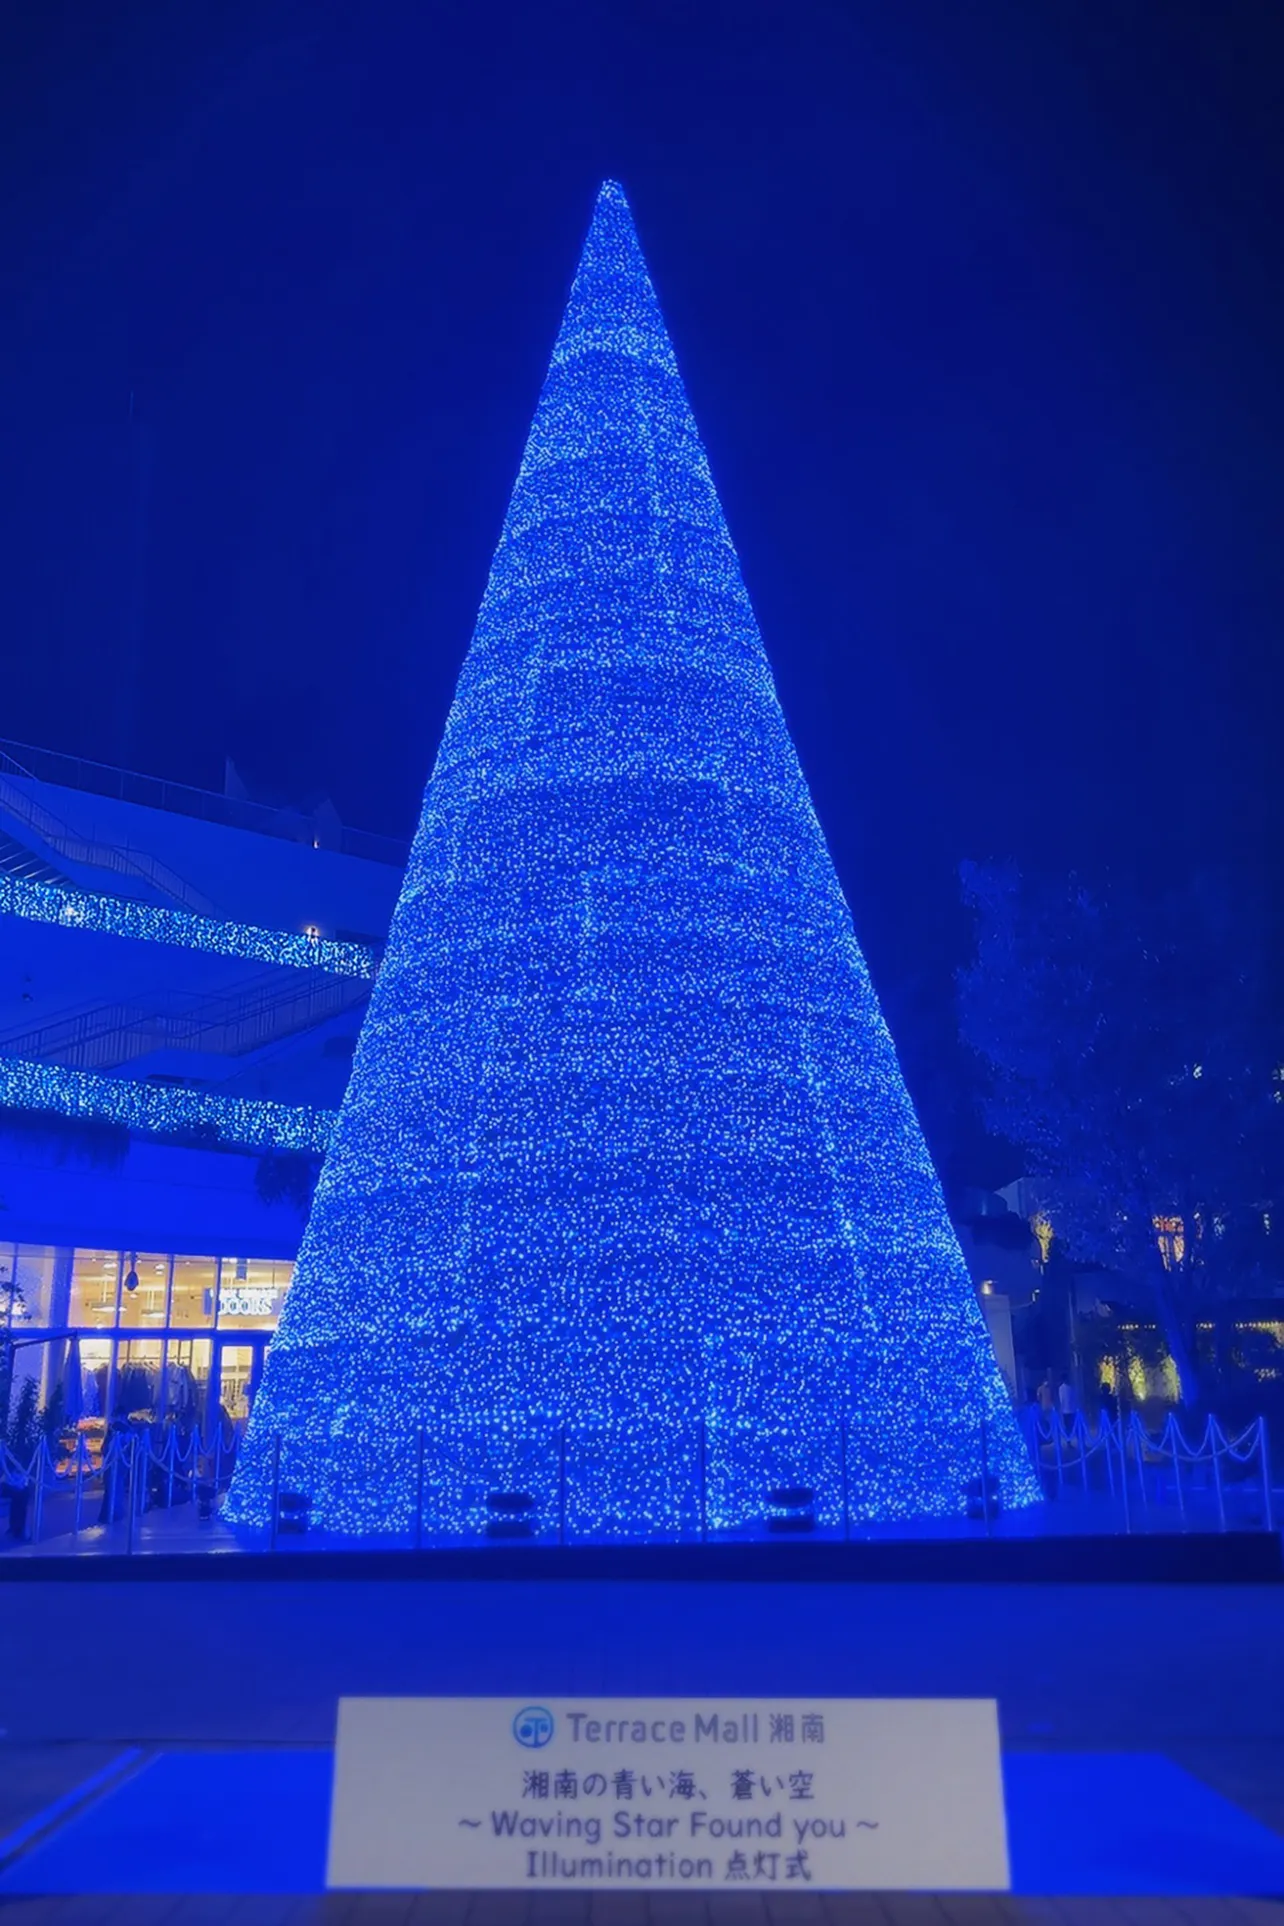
{"x":709,"y":1795}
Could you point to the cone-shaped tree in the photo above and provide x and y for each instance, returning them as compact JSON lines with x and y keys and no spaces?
{"x":626,"y":1168}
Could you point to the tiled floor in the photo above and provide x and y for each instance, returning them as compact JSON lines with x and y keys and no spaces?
{"x":502,"y":1909}
{"x":1094,"y":1666}
{"x":34,"y":1777}
{"x":1248,"y":1772}
{"x":1193,"y":1672}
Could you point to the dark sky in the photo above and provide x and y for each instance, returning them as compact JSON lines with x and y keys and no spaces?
{"x":979,"y":308}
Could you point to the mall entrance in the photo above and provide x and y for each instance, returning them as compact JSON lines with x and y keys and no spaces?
{"x":187,"y":1376}
{"x":121,"y":1333}
{"x":238,"y":1369}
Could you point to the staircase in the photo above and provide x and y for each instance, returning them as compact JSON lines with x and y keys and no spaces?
{"x":66,"y":841}
{"x":17,"y":860}
{"x":266,"y":1010}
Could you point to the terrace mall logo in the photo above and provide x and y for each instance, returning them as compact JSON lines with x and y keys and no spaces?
{"x":533,"y":1726}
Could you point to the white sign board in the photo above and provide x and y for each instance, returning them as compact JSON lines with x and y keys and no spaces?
{"x":714,"y":1795}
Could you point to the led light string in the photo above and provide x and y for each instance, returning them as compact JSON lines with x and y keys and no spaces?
{"x":626,"y":1147}
{"x":78,"y":909}
{"x":251,"y":1122}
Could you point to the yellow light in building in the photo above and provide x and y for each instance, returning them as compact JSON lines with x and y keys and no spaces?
{"x":1042,"y":1228}
{"x":1271,"y":1329}
{"x":1172,"y":1240}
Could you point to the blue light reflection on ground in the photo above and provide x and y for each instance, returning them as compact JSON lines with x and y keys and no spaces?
{"x":194,"y":1822}
{"x":255,"y":1822}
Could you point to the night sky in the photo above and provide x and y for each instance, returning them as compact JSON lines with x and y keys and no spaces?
{"x":979,"y":308}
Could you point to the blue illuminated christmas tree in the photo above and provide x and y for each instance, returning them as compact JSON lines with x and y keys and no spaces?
{"x":627,"y":1207}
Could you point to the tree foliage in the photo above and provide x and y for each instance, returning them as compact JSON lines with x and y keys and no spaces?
{"x":24,"y":1422}
{"x":1130,"y":1055}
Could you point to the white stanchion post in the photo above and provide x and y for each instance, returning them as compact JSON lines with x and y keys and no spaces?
{"x":1058,"y":1440}
{"x":1139,"y":1446}
{"x":131,"y":1494}
{"x":38,"y":1511}
{"x":1175,"y":1436}
{"x":1214,"y":1433}
{"x":1263,"y":1447}
{"x":80,"y":1483}
{"x":1081,"y":1433}
{"x":1121,"y":1439}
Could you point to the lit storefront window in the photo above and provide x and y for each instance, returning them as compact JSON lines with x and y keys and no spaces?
{"x":137,"y":1381}
{"x":195,"y":1291}
{"x":236,"y":1372}
{"x":251,"y":1293}
{"x":187,"y":1375}
{"x":26,"y":1283}
{"x":95,"y":1375}
{"x":172,"y":1335}
{"x":144,"y":1291}
{"x":95,"y":1281}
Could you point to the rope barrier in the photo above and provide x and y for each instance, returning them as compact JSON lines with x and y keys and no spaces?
{"x":152,"y":1462}
{"x":1131,"y":1446}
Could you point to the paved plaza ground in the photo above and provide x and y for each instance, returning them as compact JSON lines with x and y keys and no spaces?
{"x":104,"y":1675}
{"x":617,"y":1909}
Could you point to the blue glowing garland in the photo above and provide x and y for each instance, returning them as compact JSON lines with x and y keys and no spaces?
{"x":254,"y":1123}
{"x":626,"y":1169}
{"x":77,"y":909}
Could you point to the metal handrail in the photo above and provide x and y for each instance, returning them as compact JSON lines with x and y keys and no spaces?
{"x":77,"y":848}
{"x":183,"y":799}
{"x":264,"y":1011}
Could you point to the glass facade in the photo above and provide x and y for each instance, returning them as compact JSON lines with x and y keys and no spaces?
{"x":122,"y":1331}
{"x":95,"y":1287}
{"x":27,"y":1281}
{"x":237,"y":1378}
{"x":144,"y":1292}
{"x":193,"y":1305}
{"x":187,"y":1373}
{"x":251,"y":1294}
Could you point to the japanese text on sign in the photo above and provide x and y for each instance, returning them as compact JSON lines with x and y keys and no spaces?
{"x":837,"y":1794}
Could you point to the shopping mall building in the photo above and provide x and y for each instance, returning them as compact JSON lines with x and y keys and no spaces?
{"x":182,"y":980}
